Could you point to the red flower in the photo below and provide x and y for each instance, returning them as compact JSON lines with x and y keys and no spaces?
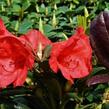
{"x":15,"y":59}
{"x":16,"y":55}
{"x":72,"y":57}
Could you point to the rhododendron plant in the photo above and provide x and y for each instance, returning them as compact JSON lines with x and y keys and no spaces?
{"x":17,"y":55}
{"x":73,"y":56}
{"x":54,"y":54}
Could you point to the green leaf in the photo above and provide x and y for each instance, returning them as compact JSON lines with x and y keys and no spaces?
{"x":42,"y":8}
{"x":25,"y":25}
{"x":51,"y":34}
{"x":76,"y":1}
{"x":105,"y":106}
{"x":97,"y":69}
{"x":57,"y":1}
{"x":62,"y":9}
{"x":90,"y":97}
{"x":47,"y":28}
{"x":15,"y":25}
{"x":16,"y":8}
{"x":21,"y":106}
{"x":5,"y":106}
{"x":25,"y":4}
{"x":74,"y":96}
{"x":100,"y":87}
{"x":5,"y":19}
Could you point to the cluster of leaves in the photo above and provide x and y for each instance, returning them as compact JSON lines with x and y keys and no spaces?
{"x":57,"y":19}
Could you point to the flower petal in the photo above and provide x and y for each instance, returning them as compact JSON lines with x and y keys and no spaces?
{"x":34,"y":37}
{"x":53,"y":64}
{"x":66,"y":73}
{"x":6,"y":78}
{"x":56,"y":49}
{"x":21,"y":76}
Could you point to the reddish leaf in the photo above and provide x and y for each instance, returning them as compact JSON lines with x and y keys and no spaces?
{"x":102,"y":78}
{"x":99,"y":37}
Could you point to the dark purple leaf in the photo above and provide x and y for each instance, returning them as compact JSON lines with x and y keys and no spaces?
{"x":99,"y":36}
{"x":102,"y":78}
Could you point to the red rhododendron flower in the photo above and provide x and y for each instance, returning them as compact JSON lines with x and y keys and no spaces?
{"x":72,"y":57}
{"x":15,"y":59}
{"x":16,"y":55}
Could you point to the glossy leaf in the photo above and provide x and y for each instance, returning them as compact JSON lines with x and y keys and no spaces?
{"x":25,"y":26}
{"x":99,"y":36}
{"x":102,"y":78}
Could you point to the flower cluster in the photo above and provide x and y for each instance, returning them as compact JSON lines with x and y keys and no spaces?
{"x":17,"y":54}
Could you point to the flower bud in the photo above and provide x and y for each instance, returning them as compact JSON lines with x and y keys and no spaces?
{"x":41,"y":25}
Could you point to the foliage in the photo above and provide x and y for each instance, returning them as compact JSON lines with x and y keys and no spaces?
{"x":57,"y":19}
